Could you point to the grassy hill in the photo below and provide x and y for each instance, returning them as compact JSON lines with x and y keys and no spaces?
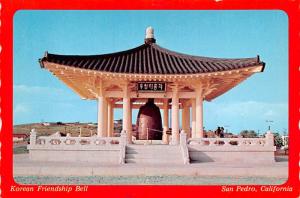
{"x":45,"y":129}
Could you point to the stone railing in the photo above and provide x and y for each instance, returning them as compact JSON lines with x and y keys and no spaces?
{"x":56,"y":140}
{"x":233,"y":150}
{"x":76,"y":145}
{"x":228,"y":142}
{"x":184,"y":148}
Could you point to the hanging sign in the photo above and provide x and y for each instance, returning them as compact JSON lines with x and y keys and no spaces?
{"x":151,"y":86}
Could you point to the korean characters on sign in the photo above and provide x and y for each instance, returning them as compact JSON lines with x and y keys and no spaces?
{"x":151,"y":86}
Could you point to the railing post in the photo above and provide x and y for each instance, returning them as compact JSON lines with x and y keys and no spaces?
{"x":239,"y":142}
{"x":32,"y":137}
{"x":269,"y":138}
{"x":184,"y":148}
{"x":182,"y":137}
{"x":123,"y":137}
{"x":226,"y":142}
{"x":123,"y":147}
{"x":212,"y":142}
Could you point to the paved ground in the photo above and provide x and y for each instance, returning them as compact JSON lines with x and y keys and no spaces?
{"x":146,"y":180}
{"x":26,"y":171}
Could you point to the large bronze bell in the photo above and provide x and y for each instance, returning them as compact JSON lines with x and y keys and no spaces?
{"x":149,"y":124}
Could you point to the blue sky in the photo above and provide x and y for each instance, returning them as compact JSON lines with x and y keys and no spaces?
{"x":39,"y":96}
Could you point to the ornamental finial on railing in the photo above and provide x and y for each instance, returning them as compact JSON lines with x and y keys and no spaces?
{"x":123,"y":133}
{"x":123,"y":137}
{"x":32,"y":137}
{"x":123,"y":143}
{"x":183,"y":137}
{"x":184,"y":148}
{"x":269,"y":138}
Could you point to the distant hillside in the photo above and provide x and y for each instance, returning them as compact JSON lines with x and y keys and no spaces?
{"x":50,"y":128}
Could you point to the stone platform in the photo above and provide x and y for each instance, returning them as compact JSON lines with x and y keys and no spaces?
{"x":117,"y":150}
{"x":23,"y":167}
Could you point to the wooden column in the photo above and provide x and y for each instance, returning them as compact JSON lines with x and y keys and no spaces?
{"x":193,"y":118}
{"x":127,"y":125}
{"x":186,"y":118}
{"x":101,"y":106}
{"x":110,"y":116}
{"x":105,"y":117}
{"x":130,"y":120}
{"x":175,"y":116}
{"x":199,"y":112}
{"x":165,"y":121}
{"x":100,"y":116}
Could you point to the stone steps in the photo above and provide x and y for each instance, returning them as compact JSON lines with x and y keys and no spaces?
{"x":150,"y":155}
{"x":153,"y":162}
{"x":153,"y":154}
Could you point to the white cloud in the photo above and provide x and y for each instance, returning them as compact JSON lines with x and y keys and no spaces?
{"x":20,"y":108}
{"x":33,"y":103}
{"x":35,"y":89}
{"x":40,"y":94}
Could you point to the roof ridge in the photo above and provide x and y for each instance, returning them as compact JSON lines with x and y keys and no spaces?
{"x":100,"y":55}
{"x":204,"y":58}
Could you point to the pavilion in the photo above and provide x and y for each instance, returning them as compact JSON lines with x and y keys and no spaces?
{"x":128,"y":78}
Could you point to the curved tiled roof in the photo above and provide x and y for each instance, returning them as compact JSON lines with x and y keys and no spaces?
{"x":150,"y":58}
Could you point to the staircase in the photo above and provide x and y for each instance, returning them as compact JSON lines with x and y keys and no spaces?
{"x":153,"y":154}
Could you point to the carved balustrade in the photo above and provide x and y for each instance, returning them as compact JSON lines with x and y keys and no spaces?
{"x":227,"y":142}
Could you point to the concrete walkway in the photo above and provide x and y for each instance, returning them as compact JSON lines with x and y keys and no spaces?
{"x":24,"y":167}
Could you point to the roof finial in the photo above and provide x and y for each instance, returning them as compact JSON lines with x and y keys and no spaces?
{"x":149,"y":32}
{"x":149,"y":39}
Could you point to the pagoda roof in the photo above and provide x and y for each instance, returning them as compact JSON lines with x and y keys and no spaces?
{"x":150,"y":58}
{"x":149,"y":62}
